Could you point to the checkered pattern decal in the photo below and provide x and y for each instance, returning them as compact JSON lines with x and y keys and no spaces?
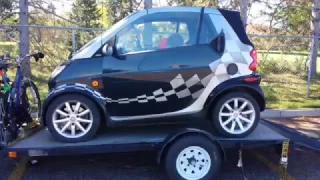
{"x":236,"y":52}
{"x":180,"y":88}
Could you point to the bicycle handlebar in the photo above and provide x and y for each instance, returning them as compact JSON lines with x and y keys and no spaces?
{"x":37,"y":56}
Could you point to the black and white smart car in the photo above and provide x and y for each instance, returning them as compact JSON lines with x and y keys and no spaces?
{"x":154,"y":66}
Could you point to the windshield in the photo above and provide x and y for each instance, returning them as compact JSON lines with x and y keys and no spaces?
{"x":99,"y":40}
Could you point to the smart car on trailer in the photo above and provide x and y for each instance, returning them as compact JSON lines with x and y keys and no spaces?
{"x":156,"y":65}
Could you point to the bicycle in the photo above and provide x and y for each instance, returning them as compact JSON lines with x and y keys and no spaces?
{"x":15,"y":108}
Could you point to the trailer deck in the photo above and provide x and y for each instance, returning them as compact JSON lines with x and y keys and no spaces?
{"x":133,"y":139}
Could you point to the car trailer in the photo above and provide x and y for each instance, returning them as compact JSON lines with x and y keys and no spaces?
{"x":168,"y":140}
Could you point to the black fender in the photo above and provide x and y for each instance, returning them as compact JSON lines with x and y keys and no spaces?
{"x":184,"y":132}
{"x":238,"y":84}
{"x":74,"y":88}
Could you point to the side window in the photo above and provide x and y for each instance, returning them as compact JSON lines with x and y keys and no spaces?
{"x":158,"y":31}
{"x":208,"y":31}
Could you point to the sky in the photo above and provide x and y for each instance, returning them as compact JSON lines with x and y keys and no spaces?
{"x":63,"y":6}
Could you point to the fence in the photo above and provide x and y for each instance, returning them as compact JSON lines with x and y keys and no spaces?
{"x":283,"y":60}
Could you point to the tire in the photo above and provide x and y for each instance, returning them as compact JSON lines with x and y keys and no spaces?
{"x":176,"y":165}
{"x":248,"y":126}
{"x":25,"y":100}
{"x":3,"y":139}
{"x":90,"y":128}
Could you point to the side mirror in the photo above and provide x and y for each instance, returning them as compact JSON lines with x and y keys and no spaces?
{"x":107,"y":50}
{"x":218,"y":43}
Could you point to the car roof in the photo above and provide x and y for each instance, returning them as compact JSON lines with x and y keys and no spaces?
{"x":182,"y":9}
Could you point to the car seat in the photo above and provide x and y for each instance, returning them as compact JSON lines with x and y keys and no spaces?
{"x":163,"y":43}
{"x":175,"y":40}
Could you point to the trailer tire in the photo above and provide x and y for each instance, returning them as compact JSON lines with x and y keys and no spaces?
{"x":90,"y":121}
{"x":193,"y":157}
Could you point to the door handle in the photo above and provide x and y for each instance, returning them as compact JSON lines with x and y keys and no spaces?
{"x":179,"y":66}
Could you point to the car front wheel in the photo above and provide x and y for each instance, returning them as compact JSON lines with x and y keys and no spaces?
{"x":236,"y":114}
{"x":73,"y":118}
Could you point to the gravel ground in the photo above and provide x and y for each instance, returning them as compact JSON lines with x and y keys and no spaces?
{"x":141,"y":166}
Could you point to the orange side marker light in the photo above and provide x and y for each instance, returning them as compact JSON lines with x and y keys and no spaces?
{"x":12,"y":154}
{"x":95,"y":83}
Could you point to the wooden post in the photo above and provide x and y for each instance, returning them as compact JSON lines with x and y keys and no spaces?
{"x":312,"y":69}
{"x":147,"y":4}
{"x":244,"y":11}
{"x":147,"y":30}
{"x":24,"y":37}
{"x":315,"y":40}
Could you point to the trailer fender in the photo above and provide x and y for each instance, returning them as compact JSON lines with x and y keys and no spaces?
{"x":74,"y":88}
{"x":183,"y":132}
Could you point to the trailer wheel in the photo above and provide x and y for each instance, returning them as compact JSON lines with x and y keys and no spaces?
{"x":73,"y":118}
{"x":236,"y":114}
{"x":193,"y":157}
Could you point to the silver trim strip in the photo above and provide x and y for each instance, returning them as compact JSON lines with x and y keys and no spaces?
{"x":170,"y":114}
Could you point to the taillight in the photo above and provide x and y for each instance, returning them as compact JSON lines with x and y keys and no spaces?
{"x":254,"y":64}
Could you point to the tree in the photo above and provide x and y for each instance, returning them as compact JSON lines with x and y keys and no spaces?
{"x":315,"y":40}
{"x":85,"y":13}
{"x":7,"y":8}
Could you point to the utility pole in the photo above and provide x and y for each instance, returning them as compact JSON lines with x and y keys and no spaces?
{"x":24,"y":37}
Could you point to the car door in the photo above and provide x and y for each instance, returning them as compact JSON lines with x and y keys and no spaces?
{"x":180,"y":74}
{"x":162,"y":68}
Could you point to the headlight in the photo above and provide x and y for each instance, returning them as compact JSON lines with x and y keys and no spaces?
{"x":57,"y":70}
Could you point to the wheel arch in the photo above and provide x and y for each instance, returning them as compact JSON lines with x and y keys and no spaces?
{"x":100,"y":103}
{"x":253,"y":89}
{"x":182,"y":133}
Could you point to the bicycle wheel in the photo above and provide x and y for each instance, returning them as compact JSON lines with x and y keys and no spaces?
{"x":3,"y":123}
{"x":30,"y":98}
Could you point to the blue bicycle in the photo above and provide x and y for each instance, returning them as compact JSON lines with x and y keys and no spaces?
{"x":16,"y":109}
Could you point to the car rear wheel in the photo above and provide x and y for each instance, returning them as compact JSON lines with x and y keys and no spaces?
{"x":236,"y":114}
{"x":73,"y":118}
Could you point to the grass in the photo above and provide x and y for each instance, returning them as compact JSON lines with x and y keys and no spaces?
{"x":284,"y":81}
{"x":289,"y":91}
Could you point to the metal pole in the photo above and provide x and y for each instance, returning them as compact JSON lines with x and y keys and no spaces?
{"x":24,"y":37}
{"x":309,"y":77}
{"x":74,"y":45}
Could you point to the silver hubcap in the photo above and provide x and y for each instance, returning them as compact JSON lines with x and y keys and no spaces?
{"x":72,"y":119}
{"x":193,"y":163}
{"x":237,"y":116}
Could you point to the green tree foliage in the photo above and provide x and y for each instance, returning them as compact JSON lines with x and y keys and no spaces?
{"x":7,"y":12}
{"x":291,"y":16}
{"x":122,"y":8}
{"x":85,"y":13}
